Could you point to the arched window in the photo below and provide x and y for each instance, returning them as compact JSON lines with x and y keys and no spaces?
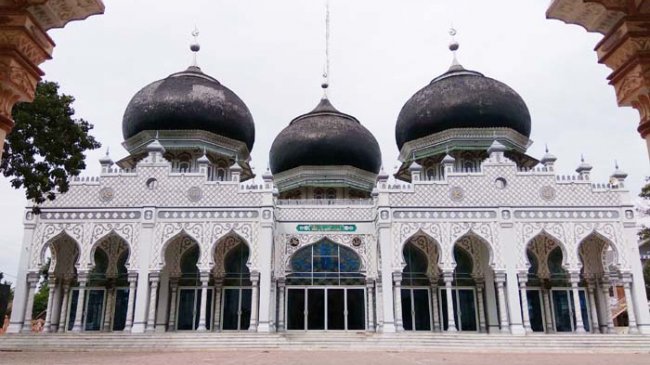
{"x":326,"y":263}
{"x":188,"y":263}
{"x":319,"y":194}
{"x":331,"y":194}
{"x":415,"y":271}
{"x":558,"y":274}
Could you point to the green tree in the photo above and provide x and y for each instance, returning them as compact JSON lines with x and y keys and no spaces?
{"x":41,"y":297}
{"x":46,"y":146}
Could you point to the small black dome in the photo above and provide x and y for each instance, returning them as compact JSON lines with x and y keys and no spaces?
{"x":325,"y":137}
{"x":461,"y":98}
{"x":189,"y":100}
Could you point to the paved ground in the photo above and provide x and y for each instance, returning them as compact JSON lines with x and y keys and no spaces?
{"x":315,"y":358}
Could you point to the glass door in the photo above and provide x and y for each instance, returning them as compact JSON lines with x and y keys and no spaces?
{"x":464,"y":304}
{"x":121,"y":308}
{"x":416,"y":309}
{"x":188,"y":309}
{"x":562,"y":310}
{"x":72,"y":308}
{"x":535,"y":309}
{"x":94,"y":314}
{"x":326,"y":308}
{"x":236,"y":312}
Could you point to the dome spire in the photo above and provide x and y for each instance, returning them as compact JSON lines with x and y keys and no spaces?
{"x":453,"y":47}
{"x":195,"y":47}
{"x":326,"y":67}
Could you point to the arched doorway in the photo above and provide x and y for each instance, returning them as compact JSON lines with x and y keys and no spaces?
{"x":326,"y":289}
{"x":419,"y":282}
{"x":555,"y":302}
{"x":234,"y":288}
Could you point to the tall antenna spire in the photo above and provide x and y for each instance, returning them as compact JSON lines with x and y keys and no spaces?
{"x":195,"y":47}
{"x":326,"y":67}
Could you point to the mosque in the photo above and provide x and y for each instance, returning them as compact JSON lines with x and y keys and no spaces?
{"x":469,"y":234}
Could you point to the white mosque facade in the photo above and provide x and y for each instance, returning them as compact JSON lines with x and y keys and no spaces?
{"x":471,"y":234}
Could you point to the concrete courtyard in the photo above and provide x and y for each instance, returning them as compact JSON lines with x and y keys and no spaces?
{"x":272,"y":357}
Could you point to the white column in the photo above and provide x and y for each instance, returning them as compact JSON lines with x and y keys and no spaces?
{"x":265,"y":258}
{"x":510,"y":291}
{"x":281,"y":309}
{"x":575,"y":279}
{"x":110,"y":309}
{"x":218,"y":284}
{"x":481,"y":315}
{"x":171,"y":325}
{"x":82,"y":278}
{"x":32,"y":280}
{"x":607,"y":310}
{"x":133,"y":279}
{"x":63,"y":318}
{"x":397,"y":279}
{"x":523,"y":293}
{"x":501,"y":292}
{"x":591,"y":286}
{"x":491,"y":310}
{"x":50,"y":304}
{"x":434,"y":305}
{"x":144,"y":263}
{"x":637,"y":287}
{"x":255,"y":280}
{"x":56,"y":306}
{"x":388,"y":300}
{"x":153,"y":296}
{"x":20,"y":292}
{"x":548,"y":315}
{"x":370,"y":292}
{"x":448,"y":277}
{"x":631,"y":315}
{"x":205,"y":277}
{"x":163,"y":302}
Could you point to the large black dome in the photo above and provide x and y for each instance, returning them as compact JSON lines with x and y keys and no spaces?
{"x":461,"y":98}
{"x":189,"y":100}
{"x":325,"y":137}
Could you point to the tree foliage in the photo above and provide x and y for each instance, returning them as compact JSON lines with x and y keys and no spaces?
{"x":644,"y":233}
{"x":46,"y":146}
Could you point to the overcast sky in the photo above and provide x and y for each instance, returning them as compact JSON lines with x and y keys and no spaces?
{"x":271,"y":54}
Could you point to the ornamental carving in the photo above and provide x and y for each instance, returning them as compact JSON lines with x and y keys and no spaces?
{"x":547,"y":193}
{"x":456,"y":193}
{"x":194,"y":194}
{"x":106,"y":194}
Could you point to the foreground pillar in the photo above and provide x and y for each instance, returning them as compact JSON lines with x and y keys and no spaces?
{"x":397,"y":290}
{"x":133,"y":279}
{"x":24,"y":45}
{"x":153,"y":297}
{"x":255,"y":281}
{"x":50,"y":304}
{"x":523,"y":293}
{"x":218,"y":284}
{"x":629,"y":300}
{"x":32,"y":281}
{"x":448,"y":277}
{"x":501,"y":293}
{"x":63,"y":318}
{"x":81,"y":301}
{"x":575,"y":279}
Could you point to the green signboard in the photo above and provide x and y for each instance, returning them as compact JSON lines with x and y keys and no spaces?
{"x":326,"y":228}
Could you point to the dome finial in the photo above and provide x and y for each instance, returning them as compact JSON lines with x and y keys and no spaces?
{"x":326,"y":67}
{"x":453,"y":47}
{"x":195,"y":47}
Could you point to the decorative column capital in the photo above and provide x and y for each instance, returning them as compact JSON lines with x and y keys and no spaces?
{"x":370,"y":283}
{"x":448,"y":276}
{"x":397,"y":278}
{"x":154,"y":277}
{"x":33,"y":278}
{"x":281,"y":282}
{"x":500,"y":277}
{"x":574,"y":278}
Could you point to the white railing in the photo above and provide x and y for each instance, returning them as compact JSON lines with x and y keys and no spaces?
{"x":294,"y":202}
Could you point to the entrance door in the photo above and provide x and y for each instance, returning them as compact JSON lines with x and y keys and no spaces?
{"x":94,"y":314}
{"x":121,"y":308}
{"x":236,"y":314}
{"x":564,"y":310}
{"x":326,"y":308}
{"x":464,"y":303}
{"x":416,"y":309}
{"x":535,"y":310}
{"x":189,"y":309}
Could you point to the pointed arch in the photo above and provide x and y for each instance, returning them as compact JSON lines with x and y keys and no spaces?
{"x":541,"y":245}
{"x":590,"y":264}
{"x":220,"y":249}
{"x":114,"y":245}
{"x":64,"y":250}
{"x":321,"y":239}
{"x":180,"y":236}
{"x":479,"y":249}
{"x":429,"y":246}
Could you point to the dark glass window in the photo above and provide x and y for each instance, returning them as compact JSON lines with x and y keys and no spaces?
{"x":237,"y":272}
{"x":415,"y":271}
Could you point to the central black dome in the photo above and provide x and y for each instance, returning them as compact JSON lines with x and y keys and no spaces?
{"x":189,"y":100}
{"x":325,"y":137}
{"x":461,"y":98}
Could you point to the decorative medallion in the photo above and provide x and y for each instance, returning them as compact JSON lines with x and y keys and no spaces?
{"x":629,"y":214}
{"x":456,"y":193}
{"x":384,"y":214}
{"x":266,"y":214}
{"x":294,"y":241}
{"x":356,"y":242}
{"x":505,"y":214}
{"x":106,"y":194}
{"x":194,"y":194}
{"x":547,"y":193}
